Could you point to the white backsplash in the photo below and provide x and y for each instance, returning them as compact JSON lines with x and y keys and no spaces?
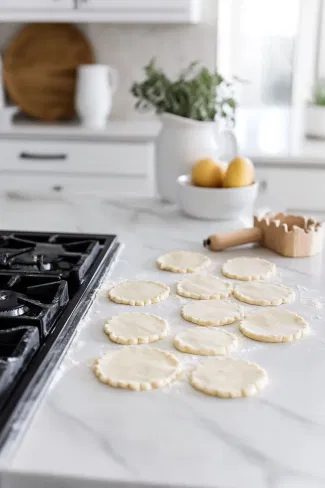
{"x":129,"y":47}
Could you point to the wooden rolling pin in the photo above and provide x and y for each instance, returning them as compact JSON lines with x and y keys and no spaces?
{"x":292,"y":236}
{"x":218,"y":242}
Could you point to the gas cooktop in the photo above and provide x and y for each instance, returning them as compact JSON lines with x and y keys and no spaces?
{"x":59,"y":255}
{"x":47,"y":281}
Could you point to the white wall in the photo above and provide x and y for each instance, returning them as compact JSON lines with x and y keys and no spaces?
{"x":129,"y":48}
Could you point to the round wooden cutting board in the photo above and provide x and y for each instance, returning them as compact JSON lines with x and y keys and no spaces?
{"x":40,"y":69}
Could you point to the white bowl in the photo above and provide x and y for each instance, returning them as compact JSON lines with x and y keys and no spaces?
{"x":215,"y":203}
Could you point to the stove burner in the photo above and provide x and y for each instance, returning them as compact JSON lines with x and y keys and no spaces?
{"x":10,"y":305}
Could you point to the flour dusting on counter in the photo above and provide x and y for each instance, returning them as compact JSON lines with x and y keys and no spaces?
{"x":112,"y":437}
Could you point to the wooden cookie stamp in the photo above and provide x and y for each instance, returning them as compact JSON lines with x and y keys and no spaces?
{"x":289,"y":235}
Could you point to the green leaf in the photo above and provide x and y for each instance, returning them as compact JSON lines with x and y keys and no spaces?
{"x":197,"y":93}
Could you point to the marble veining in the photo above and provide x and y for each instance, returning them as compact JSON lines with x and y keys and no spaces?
{"x":88,"y":435}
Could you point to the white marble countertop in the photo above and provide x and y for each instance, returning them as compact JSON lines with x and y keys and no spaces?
{"x":88,"y":435}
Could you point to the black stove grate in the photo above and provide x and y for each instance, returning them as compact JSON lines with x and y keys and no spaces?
{"x":66,"y":256}
{"x":46,"y":284}
{"x":31,"y":300}
{"x":17,"y":347}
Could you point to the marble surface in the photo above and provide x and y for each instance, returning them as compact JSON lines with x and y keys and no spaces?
{"x":86,"y":434}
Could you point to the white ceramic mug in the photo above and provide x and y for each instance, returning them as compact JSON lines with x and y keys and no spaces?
{"x":96,"y":84}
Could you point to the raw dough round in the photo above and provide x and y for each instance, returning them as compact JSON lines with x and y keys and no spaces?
{"x":274,"y":325}
{"x":137,"y":368}
{"x":139,"y":292}
{"x":264,"y":294}
{"x":228,"y":378}
{"x":136,"y":328}
{"x":183,"y":261}
{"x":205,"y":342}
{"x":211,"y":312}
{"x":247,"y":269}
{"x":204,"y":287}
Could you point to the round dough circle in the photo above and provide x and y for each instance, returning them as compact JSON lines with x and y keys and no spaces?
{"x":137,"y":368}
{"x":264,"y":294}
{"x":183,"y":262}
{"x":228,"y":378}
{"x":211,"y":312}
{"x":204,"y":287}
{"x":205,"y":342}
{"x":139,"y":292}
{"x":136,"y":328}
{"x":274,"y":325}
{"x":248,"y":269}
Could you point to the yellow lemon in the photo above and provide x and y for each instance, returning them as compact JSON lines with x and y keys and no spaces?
{"x":207,"y":173}
{"x":240,"y":172}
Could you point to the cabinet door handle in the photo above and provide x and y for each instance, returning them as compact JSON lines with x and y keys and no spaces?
{"x":42,"y":157}
{"x":57,"y":188}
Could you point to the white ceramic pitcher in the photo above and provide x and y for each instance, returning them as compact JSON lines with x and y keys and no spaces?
{"x":181,"y":143}
{"x":96,"y":84}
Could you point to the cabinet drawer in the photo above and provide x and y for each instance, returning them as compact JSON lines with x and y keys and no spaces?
{"x":113,"y":159}
{"x":57,"y":186}
{"x":35,"y":4}
{"x":291,"y":188}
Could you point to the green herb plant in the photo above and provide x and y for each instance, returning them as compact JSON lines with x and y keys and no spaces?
{"x":319,"y":93}
{"x":197,"y":93}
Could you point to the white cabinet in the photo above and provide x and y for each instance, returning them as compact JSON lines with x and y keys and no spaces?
{"x":144,"y":10}
{"x":52,"y":170}
{"x":102,"y":158}
{"x":35,"y":10}
{"x":119,"y":11}
{"x":36,"y":4}
{"x":293,"y":188}
{"x":57,"y":186}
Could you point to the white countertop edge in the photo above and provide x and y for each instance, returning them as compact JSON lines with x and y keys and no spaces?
{"x":114,"y":130}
